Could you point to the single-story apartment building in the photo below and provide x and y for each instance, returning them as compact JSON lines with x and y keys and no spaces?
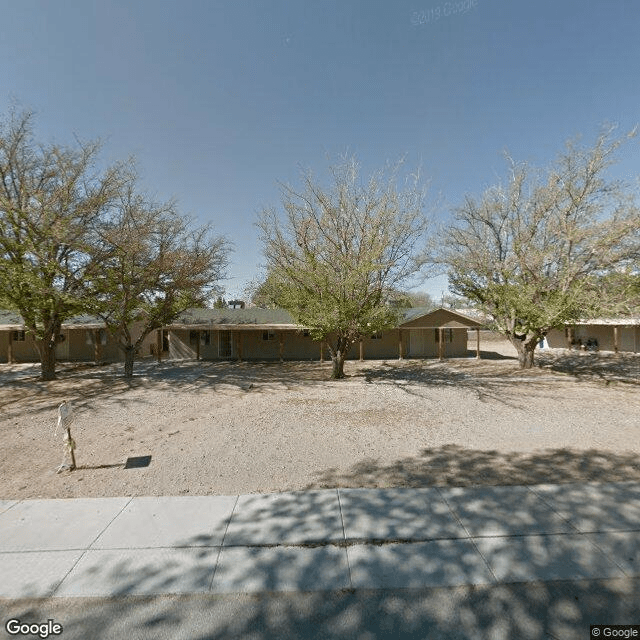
{"x":605,"y":334}
{"x":272,"y":334}
{"x":84,"y":339}
{"x":246,"y":334}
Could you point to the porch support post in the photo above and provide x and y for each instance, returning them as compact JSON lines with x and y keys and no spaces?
{"x":10,"y":348}
{"x":440,"y":343}
{"x":281,"y":344}
{"x":568,"y":331}
{"x":400,"y":354}
{"x":616,"y":341}
{"x":159,"y":344}
{"x":96,"y":345}
{"x":239,"y":346}
{"x":198,"y":344}
{"x":322,"y":351}
{"x":361,"y":350}
{"x":478,"y":344}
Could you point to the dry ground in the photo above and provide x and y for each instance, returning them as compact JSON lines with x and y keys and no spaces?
{"x":226,"y":428}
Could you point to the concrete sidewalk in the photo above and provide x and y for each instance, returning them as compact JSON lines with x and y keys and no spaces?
{"x":330,"y":540}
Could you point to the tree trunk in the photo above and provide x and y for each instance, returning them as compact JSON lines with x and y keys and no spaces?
{"x":525,"y":351}
{"x":338,"y":356}
{"x":129,"y":354}
{"x":47,"y":359}
{"x":338,"y":365}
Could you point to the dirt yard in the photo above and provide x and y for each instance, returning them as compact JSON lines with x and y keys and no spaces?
{"x":227,"y":428}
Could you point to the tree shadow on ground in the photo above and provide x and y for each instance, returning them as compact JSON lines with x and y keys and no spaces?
{"x":561,"y":610}
{"x":488,"y":354}
{"x":314,"y":564}
{"x":85,"y":383}
{"x":610,"y":367}
{"x":488,"y":382}
{"x":456,"y":466}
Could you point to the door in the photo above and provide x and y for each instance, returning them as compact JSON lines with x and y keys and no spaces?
{"x":224,"y":344}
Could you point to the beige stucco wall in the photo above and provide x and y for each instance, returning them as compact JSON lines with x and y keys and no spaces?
{"x":23,"y":351}
{"x":422,"y":343}
{"x":78,"y":346}
{"x":296,"y":346}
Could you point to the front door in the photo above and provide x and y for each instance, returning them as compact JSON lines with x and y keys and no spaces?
{"x":224,"y":344}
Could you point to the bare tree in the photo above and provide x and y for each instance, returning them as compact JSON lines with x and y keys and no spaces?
{"x":341,"y":252}
{"x":528,"y":251}
{"x":148,"y":267}
{"x":49,"y":198}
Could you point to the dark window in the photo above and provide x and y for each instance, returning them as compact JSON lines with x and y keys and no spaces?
{"x":448,"y":335}
{"x":268,"y":335}
{"x":18,"y":336}
{"x":377,"y":335}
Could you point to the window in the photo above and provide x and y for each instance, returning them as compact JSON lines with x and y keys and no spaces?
{"x":306,"y":333}
{"x":17,"y":336}
{"x":203,"y":336}
{"x":101,"y":335}
{"x":268,"y":335}
{"x":377,"y":335}
{"x":448,"y":335}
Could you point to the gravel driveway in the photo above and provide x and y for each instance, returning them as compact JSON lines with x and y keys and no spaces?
{"x":227,"y":428}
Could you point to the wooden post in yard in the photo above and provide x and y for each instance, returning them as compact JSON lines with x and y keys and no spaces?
{"x":281,"y":345}
{"x":440,"y":343}
{"x":361,"y":350}
{"x":616,"y":343}
{"x":478,"y":344}
{"x":10,"y":348}
{"x":159,"y":344}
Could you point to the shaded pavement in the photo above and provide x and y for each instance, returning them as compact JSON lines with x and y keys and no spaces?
{"x":539,"y":561}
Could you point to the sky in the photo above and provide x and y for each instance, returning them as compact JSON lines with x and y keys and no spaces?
{"x":221,"y":102}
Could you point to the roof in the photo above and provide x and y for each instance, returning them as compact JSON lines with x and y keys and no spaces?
{"x":238,"y":319}
{"x":439,"y":318}
{"x":621,"y":321}
{"x":257,"y":318}
{"x":10,"y":320}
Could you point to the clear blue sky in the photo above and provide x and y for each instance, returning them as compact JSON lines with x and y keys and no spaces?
{"x":221,"y":100}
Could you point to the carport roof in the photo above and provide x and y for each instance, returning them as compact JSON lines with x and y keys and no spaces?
{"x":621,"y":321}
